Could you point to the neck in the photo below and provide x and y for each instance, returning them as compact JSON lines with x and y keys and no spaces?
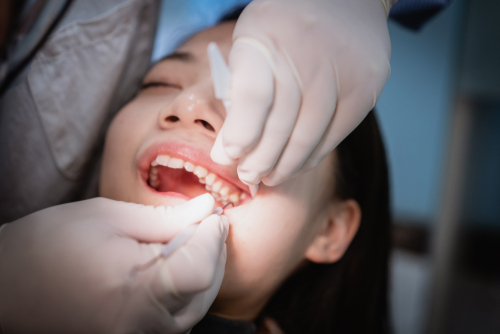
{"x":246,"y":310}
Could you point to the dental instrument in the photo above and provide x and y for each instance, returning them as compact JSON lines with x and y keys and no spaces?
{"x":174,"y":244}
{"x":221,"y":78}
{"x":253,"y":189}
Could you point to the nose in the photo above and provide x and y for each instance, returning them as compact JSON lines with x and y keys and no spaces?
{"x":195,"y":108}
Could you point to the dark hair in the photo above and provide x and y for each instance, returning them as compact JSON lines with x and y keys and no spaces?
{"x":349,"y":296}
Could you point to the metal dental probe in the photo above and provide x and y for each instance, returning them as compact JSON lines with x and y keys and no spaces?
{"x":176,"y":242}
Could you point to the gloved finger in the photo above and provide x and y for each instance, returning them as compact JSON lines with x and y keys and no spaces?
{"x":315,"y":114}
{"x":259,"y":162}
{"x":347,"y":117}
{"x":200,"y":303}
{"x":252,"y":93}
{"x":218,"y":154}
{"x":191,"y":212}
{"x":160,"y":224}
{"x":353,"y":108}
{"x":193,"y":267}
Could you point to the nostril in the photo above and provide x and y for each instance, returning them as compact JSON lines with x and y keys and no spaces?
{"x":205,"y":124}
{"x":172,"y":119}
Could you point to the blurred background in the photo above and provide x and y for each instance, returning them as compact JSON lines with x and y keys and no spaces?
{"x":440,"y":114}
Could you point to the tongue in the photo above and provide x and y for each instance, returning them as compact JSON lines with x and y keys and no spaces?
{"x":180,"y":181}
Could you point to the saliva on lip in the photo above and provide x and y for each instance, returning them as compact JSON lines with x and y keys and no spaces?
{"x":221,"y":190}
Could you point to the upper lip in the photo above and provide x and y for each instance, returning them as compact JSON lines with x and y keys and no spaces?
{"x":189,"y":153}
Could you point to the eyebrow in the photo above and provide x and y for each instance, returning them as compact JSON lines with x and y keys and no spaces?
{"x":181,"y":56}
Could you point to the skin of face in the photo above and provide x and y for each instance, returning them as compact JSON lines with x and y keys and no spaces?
{"x":269,"y":236}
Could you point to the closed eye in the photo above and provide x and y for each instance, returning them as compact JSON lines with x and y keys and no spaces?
{"x":159,"y":84}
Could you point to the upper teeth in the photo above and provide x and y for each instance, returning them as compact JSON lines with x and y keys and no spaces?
{"x":200,"y":172}
{"x":219,"y":188}
{"x":175,"y":163}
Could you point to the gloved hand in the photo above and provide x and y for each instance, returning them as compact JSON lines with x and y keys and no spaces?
{"x":304,"y":74}
{"x":64,"y":269}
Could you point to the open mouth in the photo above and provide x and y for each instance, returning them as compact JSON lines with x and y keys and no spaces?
{"x":173,"y":175}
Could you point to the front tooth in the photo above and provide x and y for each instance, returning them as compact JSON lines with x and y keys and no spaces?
{"x":154,"y":163}
{"x":189,"y":166}
{"x":200,"y":171}
{"x":175,"y":163}
{"x":216,"y":186}
{"x":224,"y":191}
{"x":210,"y":179}
{"x":234,"y":198}
{"x":163,"y":160}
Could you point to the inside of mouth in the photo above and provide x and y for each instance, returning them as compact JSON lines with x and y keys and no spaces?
{"x":176,"y":176}
{"x":179,"y":181}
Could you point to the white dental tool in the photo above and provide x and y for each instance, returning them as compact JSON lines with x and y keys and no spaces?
{"x":174,"y":244}
{"x":221,"y":78}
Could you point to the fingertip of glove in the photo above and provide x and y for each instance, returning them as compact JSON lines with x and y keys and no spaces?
{"x":219,"y":155}
{"x":273,"y":180}
{"x":206,"y":200}
{"x":205,"y":197}
{"x":233,"y":151}
{"x":192,"y":211}
{"x":248,"y":177}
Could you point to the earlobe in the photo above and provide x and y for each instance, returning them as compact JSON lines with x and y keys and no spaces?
{"x":339,"y":228}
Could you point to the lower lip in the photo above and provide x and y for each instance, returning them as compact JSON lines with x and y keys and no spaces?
{"x":165,"y":194}
{"x":171,"y":194}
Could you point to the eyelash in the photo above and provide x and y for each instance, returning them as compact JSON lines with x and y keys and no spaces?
{"x":158,"y":84}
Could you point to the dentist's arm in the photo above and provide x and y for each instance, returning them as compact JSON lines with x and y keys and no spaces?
{"x":304,"y":74}
{"x":65,"y":269}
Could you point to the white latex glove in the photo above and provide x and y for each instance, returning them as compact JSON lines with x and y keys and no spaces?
{"x":304,"y":74}
{"x":64,"y":269}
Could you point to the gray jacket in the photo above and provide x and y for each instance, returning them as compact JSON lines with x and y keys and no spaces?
{"x":53,"y":119}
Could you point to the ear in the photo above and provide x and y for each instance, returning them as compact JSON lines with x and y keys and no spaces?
{"x":339,"y":228}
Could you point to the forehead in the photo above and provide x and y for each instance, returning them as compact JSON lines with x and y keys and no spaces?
{"x":190,"y":60}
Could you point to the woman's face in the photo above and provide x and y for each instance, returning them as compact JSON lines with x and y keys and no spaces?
{"x":176,"y":114}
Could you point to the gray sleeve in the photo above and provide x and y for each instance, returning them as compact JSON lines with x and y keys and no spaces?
{"x":53,"y":120}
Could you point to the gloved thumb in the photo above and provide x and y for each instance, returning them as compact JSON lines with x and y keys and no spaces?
{"x":158,"y":224}
{"x":198,"y":265}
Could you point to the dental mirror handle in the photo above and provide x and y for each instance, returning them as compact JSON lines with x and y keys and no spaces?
{"x":221,"y":75}
{"x":221,"y":78}
{"x":253,"y":189}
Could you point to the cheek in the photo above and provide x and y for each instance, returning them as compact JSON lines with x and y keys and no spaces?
{"x":267,"y":241}
{"x":128,"y":129}
{"x":270,"y":235}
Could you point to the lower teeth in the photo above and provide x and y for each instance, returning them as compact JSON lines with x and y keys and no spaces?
{"x":154,"y":182}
